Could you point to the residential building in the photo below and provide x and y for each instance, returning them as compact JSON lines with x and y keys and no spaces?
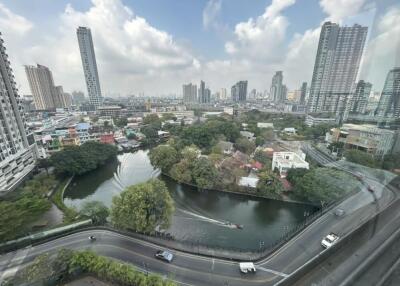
{"x":109,"y":110}
{"x":389,"y":103}
{"x":265,"y":125}
{"x":283,"y":161}
{"x":336,"y":67}
{"x":277,"y":92}
{"x":17,"y":149}
{"x":89,"y":66}
{"x":226,"y":147}
{"x":248,"y":135}
{"x":204,"y":94}
{"x":239,"y":91}
{"x":42,"y":87}
{"x":364,"y":137}
{"x":359,"y":101}
{"x":223,"y":95}
{"x":190,"y":93}
{"x":78,"y":97}
{"x":303,"y":94}
{"x":317,"y":119}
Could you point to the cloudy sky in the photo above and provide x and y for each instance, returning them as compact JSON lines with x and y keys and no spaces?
{"x":154,"y":46}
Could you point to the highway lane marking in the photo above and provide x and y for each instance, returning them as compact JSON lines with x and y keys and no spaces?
{"x":273,"y":271}
{"x":212,"y":265}
{"x":188,"y":269}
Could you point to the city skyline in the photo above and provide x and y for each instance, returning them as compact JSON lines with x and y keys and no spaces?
{"x":177,"y":61}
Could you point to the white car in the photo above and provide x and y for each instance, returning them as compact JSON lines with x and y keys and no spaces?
{"x":247,"y":267}
{"x":329,"y":240}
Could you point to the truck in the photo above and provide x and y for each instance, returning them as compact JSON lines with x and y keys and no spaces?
{"x":329,"y":240}
{"x":247,"y":267}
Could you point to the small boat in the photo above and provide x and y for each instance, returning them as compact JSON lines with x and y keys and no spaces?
{"x":233,"y":225}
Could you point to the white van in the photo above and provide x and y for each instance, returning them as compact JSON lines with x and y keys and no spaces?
{"x":247,"y":267}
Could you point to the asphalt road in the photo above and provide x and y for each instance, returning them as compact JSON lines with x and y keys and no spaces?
{"x":187,"y":269}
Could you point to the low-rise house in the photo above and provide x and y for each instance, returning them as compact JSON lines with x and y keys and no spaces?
{"x":248,"y":182}
{"x":283,"y":161}
{"x":162,"y":134}
{"x":248,"y":135}
{"x":290,"y":130}
{"x":265,"y":125}
{"x":241,"y":158}
{"x":226,"y":147}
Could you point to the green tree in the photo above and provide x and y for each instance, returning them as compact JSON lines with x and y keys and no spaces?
{"x":77,"y":160}
{"x":362,"y":158}
{"x":120,"y":122}
{"x":269,"y":185}
{"x":95,"y":210}
{"x":204,"y":173}
{"x":244,"y":145}
{"x":391,"y":161}
{"x":44,"y":163}
{"x":263,"y":158}
{"x":168,"y":116}
{"x":163,"y":157}
{"x":152,"y":119}
{"x":182,"y":172}
{"x":142,"y":207}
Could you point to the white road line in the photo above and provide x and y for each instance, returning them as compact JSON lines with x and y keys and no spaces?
{"x":14,"y":263}
{"x":273,"y":271}
{"x":212,"y":265}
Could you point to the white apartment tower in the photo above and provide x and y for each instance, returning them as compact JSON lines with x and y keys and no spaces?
{"x":89,"y":65}
{"x":17,"y":156}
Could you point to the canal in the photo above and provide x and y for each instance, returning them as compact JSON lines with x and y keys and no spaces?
{"x":199,"y":216}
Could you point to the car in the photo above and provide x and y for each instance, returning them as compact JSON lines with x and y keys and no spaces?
{"x":329,"y":240}
{"x":164,"y":255}
{"x":247,"y":267}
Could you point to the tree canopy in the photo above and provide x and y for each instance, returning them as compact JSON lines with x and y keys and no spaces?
{"x":245,"y":145}
{"x":143,"y":207}
{"x":163,"y":157}
{"x":95,"y":210}
{"x":77,"y":160}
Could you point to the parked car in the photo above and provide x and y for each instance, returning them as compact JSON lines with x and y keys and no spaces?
{"x":329,"y":240}
{"x":247,"y":267}
{"x":164,"y":255}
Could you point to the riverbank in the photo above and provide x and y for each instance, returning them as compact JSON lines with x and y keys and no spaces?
{"x":244,"y":193}
{"x":57,"y":197}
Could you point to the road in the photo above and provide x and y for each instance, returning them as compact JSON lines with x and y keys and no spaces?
{"x":187,"y":269}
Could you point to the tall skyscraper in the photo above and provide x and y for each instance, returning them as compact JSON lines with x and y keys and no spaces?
{"x":89,"y":65}
{"x":45,"y":94}
{"x":204,"y":95}
{"x":42,"y":86}
{"x":223,"y":94}
{"x":239,"y":91}
{"x":189,"y":93}
{"x":389,"y":103}
{"x":17,"y":153}
{"x":336,"y":67}
{"x":276,"y":90}
{"x":303,"y":93}
{"x":359,"y":101}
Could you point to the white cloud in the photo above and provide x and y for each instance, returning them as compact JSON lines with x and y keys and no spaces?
{"x":261,"y":38}
{"x":337,"y":10}
{"x":13,"y":23}
{"x":211,"y":14}
{"x":129,"y":51}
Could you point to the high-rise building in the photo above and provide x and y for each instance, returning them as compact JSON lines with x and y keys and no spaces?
{"x":359,"y":101}
{"x":239,"y":91}
{"x":204,"y":95}
{"x":78,"y":97}
{"x":336,"y":67}
{"x":389,"y":103}
{"x":276,"y":91}
{"x":42,"y":87}
{"x":223,"y":94}
{"x":303,"y":93}
{"x":189,"y":93}
{"x":89,"y":65}
{"x":17,"y":150}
